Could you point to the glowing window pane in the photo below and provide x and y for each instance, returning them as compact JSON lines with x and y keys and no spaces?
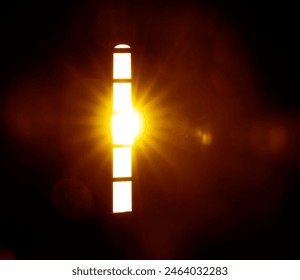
{"x":122,"y":46}
{"x":122,"y":197}
{"x":122,"y":162}
{"x":122,"y":97}
{"x":122,"y":66}
{"x":125,"y":127}
{"x":121,"y":130}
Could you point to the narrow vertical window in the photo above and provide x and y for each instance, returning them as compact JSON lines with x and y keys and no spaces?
{"x":122,"y":196}
{"x":123,"y":126}
{"x":122,"y":65}
{"x":122,"y":162}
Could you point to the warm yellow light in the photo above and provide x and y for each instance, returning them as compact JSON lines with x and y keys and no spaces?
{"x":122,"y":198}
{"x":122,"y":66}
{"x":126,"y":126}
{"x":122,"y":162}
{"x":206,"y":138}
{"x":122,"y":46}
{"x":122,"y":97}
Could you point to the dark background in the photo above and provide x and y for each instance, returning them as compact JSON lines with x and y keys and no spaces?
{"x":225,"y":68}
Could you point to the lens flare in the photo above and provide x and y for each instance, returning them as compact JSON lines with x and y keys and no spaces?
{"x":126,"y":127}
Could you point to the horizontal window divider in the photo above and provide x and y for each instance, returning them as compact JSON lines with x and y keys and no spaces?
{"x":122,"y":80}
{"x":122,"y":179}
{"x":125,"y":50}
{"x":122,"y":145}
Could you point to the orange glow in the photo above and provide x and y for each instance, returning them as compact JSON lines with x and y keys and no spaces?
{"x":204,"y":137}
{"x":122,"y":200}
{"x":269,"y":138}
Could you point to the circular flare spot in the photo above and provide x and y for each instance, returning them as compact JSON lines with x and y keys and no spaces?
{"x":71,"y":198}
